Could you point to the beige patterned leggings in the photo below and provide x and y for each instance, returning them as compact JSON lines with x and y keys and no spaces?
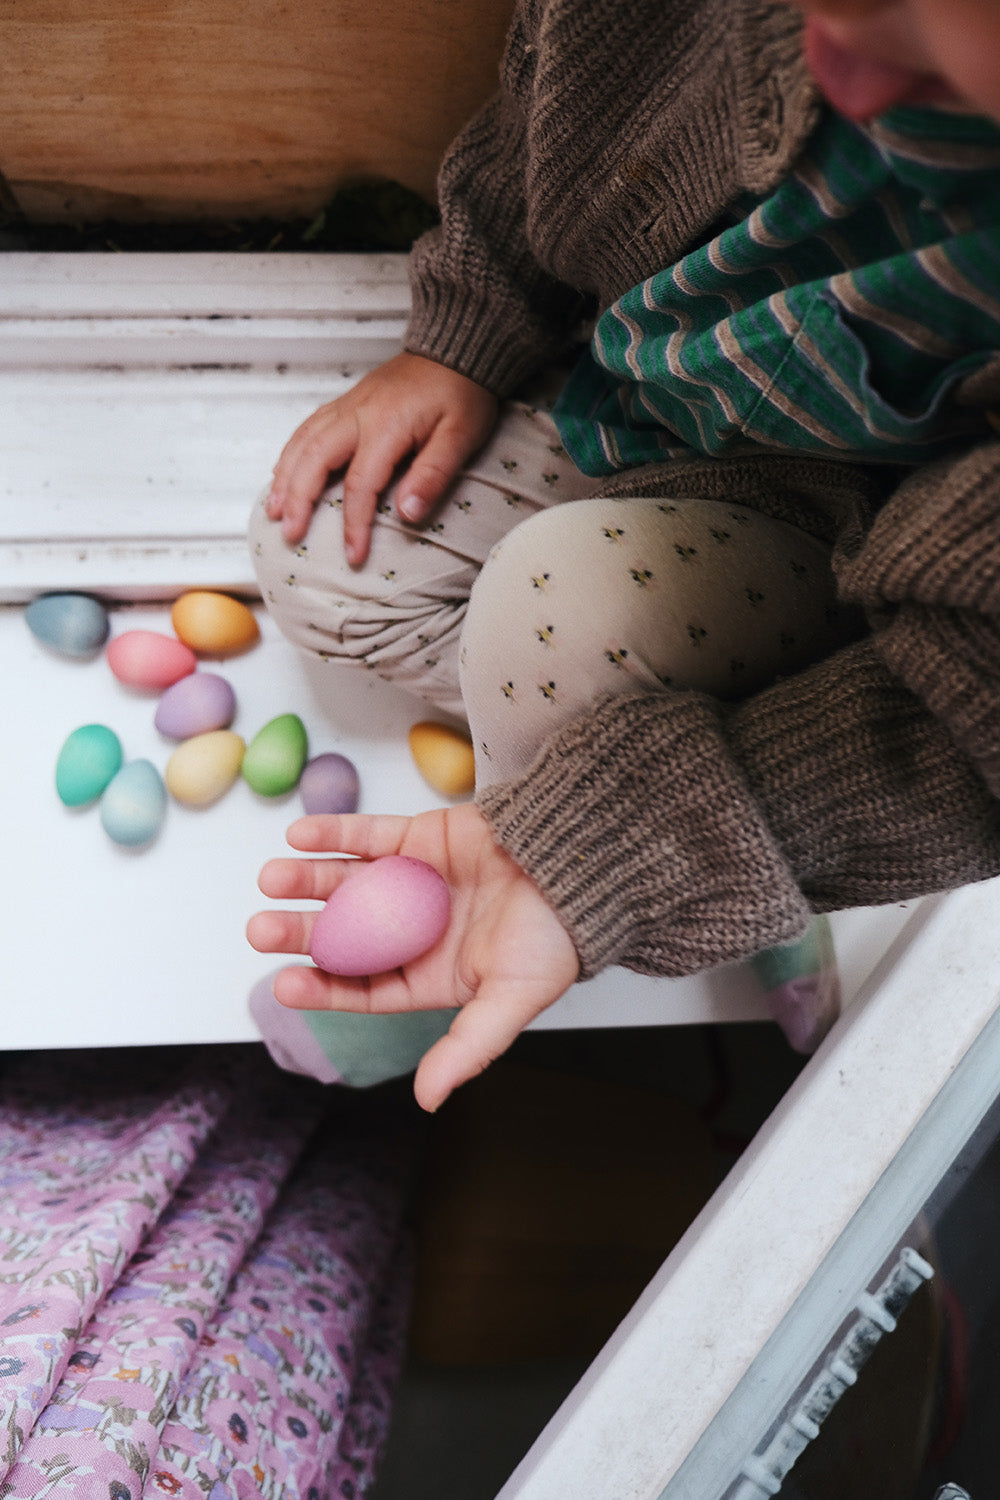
{"x":527,"y":595}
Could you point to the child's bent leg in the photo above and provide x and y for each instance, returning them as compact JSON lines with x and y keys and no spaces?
{"x":599,"y":596}
{"x":401,"y":614}
{"x":603,"y":595}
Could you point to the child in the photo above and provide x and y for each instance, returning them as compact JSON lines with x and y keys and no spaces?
{"x":687,"y":740}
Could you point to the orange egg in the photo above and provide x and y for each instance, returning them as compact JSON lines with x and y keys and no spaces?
{"x":214,"y":623}
{"x":444,"y":758}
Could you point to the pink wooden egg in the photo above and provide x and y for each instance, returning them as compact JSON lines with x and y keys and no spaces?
{"x":382,"y":915}
{"x":146,"y":659}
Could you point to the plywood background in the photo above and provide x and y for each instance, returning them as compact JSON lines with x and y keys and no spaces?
{"x":169,"y":109}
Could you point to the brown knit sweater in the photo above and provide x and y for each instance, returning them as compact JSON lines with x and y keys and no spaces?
{"x":672,"y":832}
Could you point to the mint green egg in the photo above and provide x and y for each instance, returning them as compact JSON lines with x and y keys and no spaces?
{"x":275,"y":756}
{"x":134,"y":804}
{"x":88,"y":760}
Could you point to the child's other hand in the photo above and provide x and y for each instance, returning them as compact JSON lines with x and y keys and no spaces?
{"x":504,"y":958}
{"x":410,"y":405}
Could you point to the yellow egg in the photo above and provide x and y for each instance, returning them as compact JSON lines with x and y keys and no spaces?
{"x":204,"y":767}
{"x":444,"y":758}
{"x":214,"y":623}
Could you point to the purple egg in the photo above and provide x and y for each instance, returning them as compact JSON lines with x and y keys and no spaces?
{"x":329,"y":784}
{"x":195,"y":705}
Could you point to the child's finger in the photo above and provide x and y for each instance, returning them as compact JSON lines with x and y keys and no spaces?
{"x":368,"y":476}
{"x":306,"y":988}
{"x":302,"y":879}
{"x":321,"y":447}
{"x":434,"y":469}
{"x":280,"y":931}
{"x":480,"y":1033}
{"x":303,"y":988}
{"x":329,"y":435}
{"x":368,"y":835}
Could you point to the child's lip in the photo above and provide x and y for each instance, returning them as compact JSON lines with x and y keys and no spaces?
{"x":861,"y":87}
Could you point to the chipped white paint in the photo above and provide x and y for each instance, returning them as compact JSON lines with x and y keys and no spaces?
{"x":144,"y":399}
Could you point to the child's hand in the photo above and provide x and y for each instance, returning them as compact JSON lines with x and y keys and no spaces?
{"x":505,"y":956}
{"x":408,"y":405}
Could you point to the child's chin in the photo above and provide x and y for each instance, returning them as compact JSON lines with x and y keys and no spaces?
{"x":862,"y":87}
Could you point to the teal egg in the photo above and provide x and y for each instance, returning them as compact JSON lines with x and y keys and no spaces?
{"x":275,"y":756}
{"x":73,"y":625}
{"x":133,"y":807}
{"x":88,"y":760}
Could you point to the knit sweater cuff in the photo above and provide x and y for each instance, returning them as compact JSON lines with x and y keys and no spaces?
{"x":642,"y":834}
{"x":866,"y":792}
{"x":454,"y":330}
{"x":483,"y":331}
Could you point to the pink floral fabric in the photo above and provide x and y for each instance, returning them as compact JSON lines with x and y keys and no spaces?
{"x":204,"y":1277}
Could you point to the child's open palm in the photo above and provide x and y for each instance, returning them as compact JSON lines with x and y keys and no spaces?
{"x":504,"y":958}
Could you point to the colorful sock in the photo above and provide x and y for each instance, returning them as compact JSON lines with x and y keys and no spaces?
{"x":802,"y":985}
{"x":346,"y":1047}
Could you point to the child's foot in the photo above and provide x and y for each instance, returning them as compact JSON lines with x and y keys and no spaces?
{"x":343,"y":1046}
{"x":802,"y":986}
{"x":806,"y":1008}
{"x":287,"y":1036}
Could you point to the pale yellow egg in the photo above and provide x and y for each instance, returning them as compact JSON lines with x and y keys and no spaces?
{"x":204,"y":767}
{"x":444,"y":757}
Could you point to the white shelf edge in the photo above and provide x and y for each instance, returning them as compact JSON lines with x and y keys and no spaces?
{"x":636,"y":1416}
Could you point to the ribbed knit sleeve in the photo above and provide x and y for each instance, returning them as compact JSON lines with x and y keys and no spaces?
{"x":481,"y":303}
{"x":642,"y":833}
{"x":672,"y":833}
{"x":618,"y":136}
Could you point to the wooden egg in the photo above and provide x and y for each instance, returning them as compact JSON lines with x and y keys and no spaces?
{"x":444,"y":758}
{"x":215,"y":624}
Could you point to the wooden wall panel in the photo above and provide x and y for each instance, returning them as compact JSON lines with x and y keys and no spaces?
{"x":169,"y":109}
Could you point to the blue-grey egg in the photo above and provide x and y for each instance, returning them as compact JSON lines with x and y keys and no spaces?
{"x":73,"y":625}
{"x":133,"y":807}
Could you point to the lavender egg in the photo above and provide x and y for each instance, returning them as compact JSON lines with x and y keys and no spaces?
{"x":196,"y":705}
{"x":329,"y":784}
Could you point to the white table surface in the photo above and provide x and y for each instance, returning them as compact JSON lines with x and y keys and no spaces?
{"x":110,"y":946}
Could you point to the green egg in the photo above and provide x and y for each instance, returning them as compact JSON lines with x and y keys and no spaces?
{"x":88,"y":760}
{"x":275,"y":756}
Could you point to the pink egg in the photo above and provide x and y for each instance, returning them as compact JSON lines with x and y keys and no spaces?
{"x":382,"y":915}
{"x":198,"y":704}
{"x":146,"y":659}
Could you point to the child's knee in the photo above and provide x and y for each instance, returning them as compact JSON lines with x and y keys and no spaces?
{"x":395,"y":616}
{"x":532,"y":562}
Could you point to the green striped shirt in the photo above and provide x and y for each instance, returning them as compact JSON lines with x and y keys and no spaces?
{"x":834,"y":317}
